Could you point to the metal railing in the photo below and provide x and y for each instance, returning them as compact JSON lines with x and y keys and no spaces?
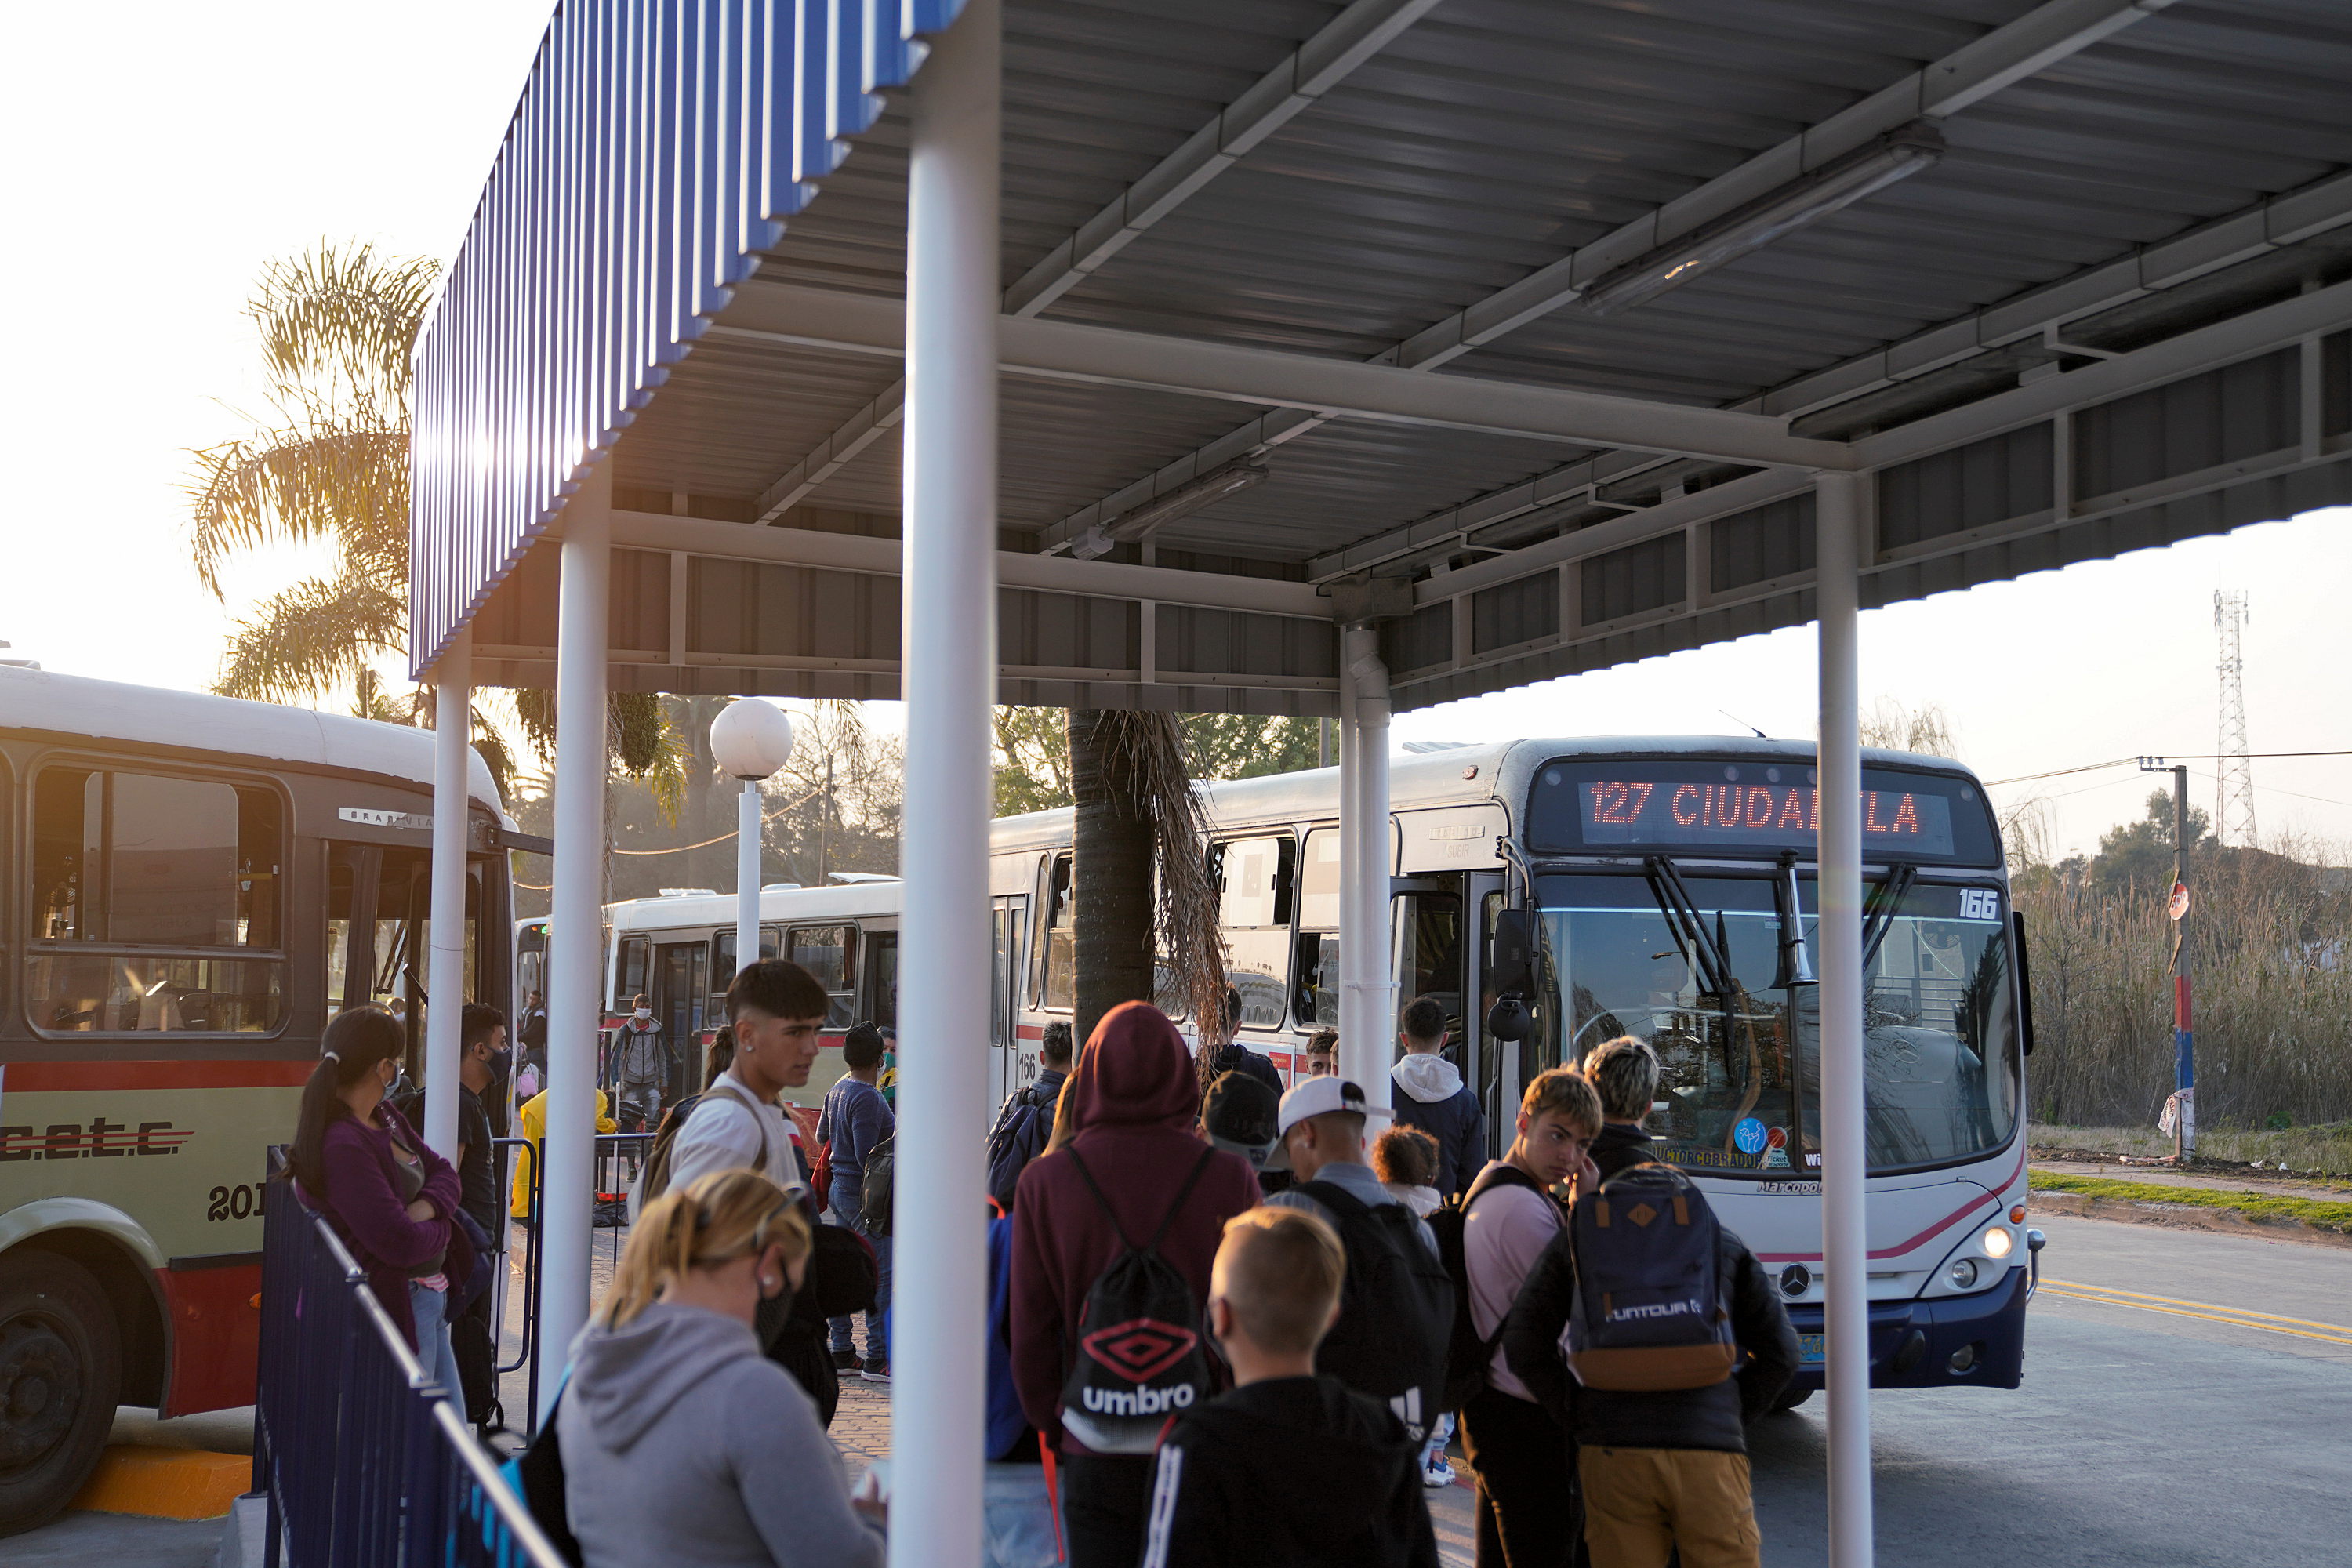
{"x":365,"y":1461}
{"x":619,"y":1156}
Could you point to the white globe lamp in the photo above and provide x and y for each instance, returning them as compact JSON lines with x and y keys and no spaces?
{"x":751,"y":740}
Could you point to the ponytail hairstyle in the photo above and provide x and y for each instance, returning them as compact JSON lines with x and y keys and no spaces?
{"x":722,"y":1217}
{"x":357,"y":1040}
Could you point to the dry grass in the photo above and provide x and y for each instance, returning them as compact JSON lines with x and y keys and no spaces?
{"x":2323,"y":1150}
{"x":2272,"y":958}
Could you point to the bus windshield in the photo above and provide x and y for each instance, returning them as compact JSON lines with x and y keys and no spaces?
{"x":1696,"y":966}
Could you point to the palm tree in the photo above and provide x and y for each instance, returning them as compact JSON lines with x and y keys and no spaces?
{"x":1138,"y":823}
{"x":330,"y":467}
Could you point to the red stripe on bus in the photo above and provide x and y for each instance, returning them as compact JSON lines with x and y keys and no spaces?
{"x":1897,"y":1250}
{"x":1030,"y":1032}
{"x":61,"y":1078}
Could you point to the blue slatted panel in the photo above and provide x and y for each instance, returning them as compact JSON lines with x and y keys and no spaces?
{"x":659,"y":145}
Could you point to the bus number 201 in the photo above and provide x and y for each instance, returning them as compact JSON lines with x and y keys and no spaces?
{"x":235,"y":1203}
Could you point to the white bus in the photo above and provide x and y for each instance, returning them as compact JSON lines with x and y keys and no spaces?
{"x":193,"y":886}
{"x":1665,"y":888}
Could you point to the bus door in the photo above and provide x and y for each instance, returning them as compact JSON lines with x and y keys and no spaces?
{"x":1014,"y":1059}
{"x":682,"y":992}
{"x":1426,"y":927}
{"x":1483,"y":1064}
{"x":377,"y":897}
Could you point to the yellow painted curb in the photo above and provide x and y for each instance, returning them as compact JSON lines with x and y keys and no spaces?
{"x":166,"y":1483}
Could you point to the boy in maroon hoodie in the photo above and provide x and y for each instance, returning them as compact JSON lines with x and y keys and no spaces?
{"x":1133,"y":1098}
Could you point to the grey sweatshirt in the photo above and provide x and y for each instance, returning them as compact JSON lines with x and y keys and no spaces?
{"x":683,"y":1445}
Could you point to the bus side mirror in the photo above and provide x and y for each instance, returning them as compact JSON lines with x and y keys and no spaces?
{"x":1510,"y":954}
{"x":1508,"y":1018}
{"x":2024,"y":979}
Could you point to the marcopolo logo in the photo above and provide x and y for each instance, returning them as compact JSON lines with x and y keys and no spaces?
{"x":1651,"y":1310}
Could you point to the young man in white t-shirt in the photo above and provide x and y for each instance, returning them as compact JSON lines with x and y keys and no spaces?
{"x":1526,"y":1505}
{"x":776,"y":1008}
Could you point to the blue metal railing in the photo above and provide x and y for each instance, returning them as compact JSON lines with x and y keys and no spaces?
{"x":618,"y":1157}
{"x":366,"y":1462}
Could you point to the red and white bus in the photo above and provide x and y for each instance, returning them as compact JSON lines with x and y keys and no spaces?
{"x":190,"y":887}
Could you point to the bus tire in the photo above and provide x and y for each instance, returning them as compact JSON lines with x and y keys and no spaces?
{"x":1789,"y":1399}
{"x":60,"y":1378}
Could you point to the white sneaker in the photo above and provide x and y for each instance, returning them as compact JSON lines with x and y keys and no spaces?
{"x":1437,"y":1473}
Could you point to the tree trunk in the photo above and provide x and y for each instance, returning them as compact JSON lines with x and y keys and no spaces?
{"x":1112,"y":884}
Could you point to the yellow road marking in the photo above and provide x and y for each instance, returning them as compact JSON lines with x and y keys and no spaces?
{"x":2235,"y":1317}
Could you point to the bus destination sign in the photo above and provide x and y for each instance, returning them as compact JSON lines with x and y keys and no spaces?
{"x":1748,"y":806}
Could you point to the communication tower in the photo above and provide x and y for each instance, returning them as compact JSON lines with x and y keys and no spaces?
{"x":2233,"y":783}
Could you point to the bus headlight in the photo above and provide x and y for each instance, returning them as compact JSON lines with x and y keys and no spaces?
{"x":1998,"y":1242}
{"x":1963,"y":1274}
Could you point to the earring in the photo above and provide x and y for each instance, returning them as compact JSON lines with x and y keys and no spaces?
{"x":766,"y":1283}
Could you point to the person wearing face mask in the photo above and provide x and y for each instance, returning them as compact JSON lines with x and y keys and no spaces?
{"x":481,"y":1071}
{"x":389,"y":1197}
{"x":642,"y":1063}
{"x":681,"y":1442}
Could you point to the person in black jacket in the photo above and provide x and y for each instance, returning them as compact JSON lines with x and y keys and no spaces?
{"x":1432,"y":1096}
{"x":1289,"y":1469}
{"x":1624,"y":1073}
{"x":1663,"y":1470}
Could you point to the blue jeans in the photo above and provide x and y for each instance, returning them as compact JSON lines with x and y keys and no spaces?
{"x":433,"y":1352}
{"x":877,"y":1343}
{"x":1016,"y":1522}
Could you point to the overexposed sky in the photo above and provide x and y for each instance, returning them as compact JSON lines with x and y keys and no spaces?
{"x":160,"y":155}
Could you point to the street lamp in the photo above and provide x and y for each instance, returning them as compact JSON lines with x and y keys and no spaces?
{"x":751,"y":740}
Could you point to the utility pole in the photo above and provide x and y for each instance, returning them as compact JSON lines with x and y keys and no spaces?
{"x":2182,"y":1111}
{"x":2234,"y":781}
{"x":825,"y":819}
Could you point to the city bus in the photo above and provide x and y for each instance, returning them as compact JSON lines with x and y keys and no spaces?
{"x":1658,"y":887}
{"x":193,"y":886}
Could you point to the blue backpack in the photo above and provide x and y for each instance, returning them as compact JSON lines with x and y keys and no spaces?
{"x":1649,"y":1312}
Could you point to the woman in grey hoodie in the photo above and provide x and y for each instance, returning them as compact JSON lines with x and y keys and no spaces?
{"x":681,"y":1442}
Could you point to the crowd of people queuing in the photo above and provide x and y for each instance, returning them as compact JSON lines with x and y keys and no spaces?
{"x":1243,"y":1327}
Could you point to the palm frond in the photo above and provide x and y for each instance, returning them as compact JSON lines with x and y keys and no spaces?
{"x":348,"y":483}
{"x":337,"y":326}
{"x":311,"y":639}
{"x":646,"y":746}
{"x":491,"y":747}
{"x":535,"y":712}
{"x":1186,"y":919}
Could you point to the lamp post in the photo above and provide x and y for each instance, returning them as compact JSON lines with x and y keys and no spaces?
{"x":751,"y":739}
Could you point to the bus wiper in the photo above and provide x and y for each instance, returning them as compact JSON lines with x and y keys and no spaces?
{"x":1704,"y":951}
{"x":1796,"y":968}
{"x":1878,"y":910}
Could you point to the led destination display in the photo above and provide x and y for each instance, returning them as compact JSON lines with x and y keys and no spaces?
{"x":1752,"y":806}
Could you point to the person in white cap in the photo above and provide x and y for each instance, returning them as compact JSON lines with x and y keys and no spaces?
{"x":1321,"y":1128}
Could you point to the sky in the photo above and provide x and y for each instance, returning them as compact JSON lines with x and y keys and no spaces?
{"x":218,"y":138}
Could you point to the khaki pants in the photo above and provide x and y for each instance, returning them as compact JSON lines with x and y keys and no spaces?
{"x":1641,"y":1504}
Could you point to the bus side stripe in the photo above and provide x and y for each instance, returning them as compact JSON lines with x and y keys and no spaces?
{"x":64,"y":1078}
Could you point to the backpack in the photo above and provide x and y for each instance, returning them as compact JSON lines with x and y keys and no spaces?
{"x":881,"y":1175}
{"x":1020,"y":1134}
{"x":1467,"y":1355}
{"x":1138,"y":1360}
{"x":1396,"y":1308}
{"x":1648,"y":1312}
{"x":820,"y":1175}
{"x":653,"y":1180}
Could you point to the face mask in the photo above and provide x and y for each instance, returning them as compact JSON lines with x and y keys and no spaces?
{"x":642,"y":1013}
{"x":501,"y":1062}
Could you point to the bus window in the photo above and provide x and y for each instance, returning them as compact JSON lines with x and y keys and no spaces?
{"x":830,"y":953}
{"x":882,"y":978}
{"x":1061,"y":944}
{"x":629,"y":975}
{"x":1318,"y":881}
{"x":1255,"y":881}
{"x":155,"y":861}
{"x":723,"y":968}
{"x":1318,"y":959}
{"x":1319,"y":977}
{"x":1429,"y":953}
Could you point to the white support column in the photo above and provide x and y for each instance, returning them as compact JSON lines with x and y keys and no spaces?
{"x":747,"y":831}
{"x":938,"y":1342}
{"x":1844,"y":1162}
{"x":1351,"y":900}
{"x":575,"y":925}
{"x":444,"y":973}
{"x":1367,"y":1042}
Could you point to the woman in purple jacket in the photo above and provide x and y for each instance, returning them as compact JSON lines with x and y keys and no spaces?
{"x":391,"y":1199}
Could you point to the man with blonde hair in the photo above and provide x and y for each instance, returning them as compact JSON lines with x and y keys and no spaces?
{"x":1289,"y":1469}
{"x":1527,"y":1498}
{"x":1624,"y":1073}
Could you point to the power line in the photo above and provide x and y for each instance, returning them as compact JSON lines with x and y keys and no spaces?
{"x":2172,"y":756}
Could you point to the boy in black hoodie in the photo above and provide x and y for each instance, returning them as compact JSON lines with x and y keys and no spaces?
{"x":1289,"y":1469}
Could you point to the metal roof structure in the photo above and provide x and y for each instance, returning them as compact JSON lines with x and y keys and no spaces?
{"x":1369,"y":264}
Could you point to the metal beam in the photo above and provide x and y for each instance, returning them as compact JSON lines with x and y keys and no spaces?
{"x":800,"y":317}
{"x":1969,"y":75}
{"x":1305,"y":74}
{"x":883,"y":558}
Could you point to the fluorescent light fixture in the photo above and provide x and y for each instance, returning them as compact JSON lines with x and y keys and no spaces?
{"x":1832,"y":188}
{"x":1139,"y":522}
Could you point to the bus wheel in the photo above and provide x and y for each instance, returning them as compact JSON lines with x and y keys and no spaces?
{"x":1789,"y":1399}
{"x":61,"y":1376}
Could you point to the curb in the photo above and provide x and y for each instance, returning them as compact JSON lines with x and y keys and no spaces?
{"x":2185,"y":1217}
{"x":166,"y":1483}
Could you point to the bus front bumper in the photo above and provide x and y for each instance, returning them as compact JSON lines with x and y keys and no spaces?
{"x":1934,"y":1342}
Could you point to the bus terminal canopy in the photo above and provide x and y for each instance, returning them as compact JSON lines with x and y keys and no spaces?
{"x":1283,"y":356}
{"x":1518,"y":329}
